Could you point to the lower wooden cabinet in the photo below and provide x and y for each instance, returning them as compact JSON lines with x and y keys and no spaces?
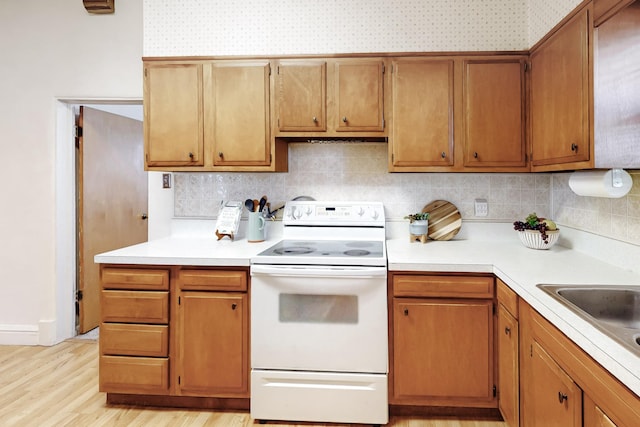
{"x":174,"y":333}
{"x":442,"y":349}
{"x":508,"y":351}
{"x":134,"y":339}
{"x":212,"y":357}
{"x":561,"y":385}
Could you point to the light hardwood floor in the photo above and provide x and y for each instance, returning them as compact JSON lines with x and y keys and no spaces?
{"x":58,"y":386}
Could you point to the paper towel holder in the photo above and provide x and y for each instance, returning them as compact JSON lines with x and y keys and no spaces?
{"x":611,"y":183}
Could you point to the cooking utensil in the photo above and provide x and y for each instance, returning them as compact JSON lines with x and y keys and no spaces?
{"x":249,"y":205}
{"x":263,"y":201}
{"x":256,"y":203}
{"x":444,"y":220}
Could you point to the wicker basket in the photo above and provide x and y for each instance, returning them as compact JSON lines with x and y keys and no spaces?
{"x":533,"y":239}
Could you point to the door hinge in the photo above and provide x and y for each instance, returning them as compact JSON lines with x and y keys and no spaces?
{"x":78,"y":131}
{"x":383,"y":68}
{"x":495,"y":391}
{"x":531,"y":350}
{"x":178,"y":379}
{"x":494,"y":308}
{"x":179,"y":300}
{"x":527,"y":66}
{"x":79,"y":295}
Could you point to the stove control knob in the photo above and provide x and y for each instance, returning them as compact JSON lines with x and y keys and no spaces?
{"x":309,"y":211}
{"x":360,"y":211}
{"x":297,"y":214}
{"x":374,"y":214}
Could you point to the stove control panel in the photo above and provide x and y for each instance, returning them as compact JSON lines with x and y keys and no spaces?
{"x":334,"y":213}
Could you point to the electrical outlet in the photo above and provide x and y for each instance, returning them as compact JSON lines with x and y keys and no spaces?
{"x":481,"y":207}
{"x":166,"y":180}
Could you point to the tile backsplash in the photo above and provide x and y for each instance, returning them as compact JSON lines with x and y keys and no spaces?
{"x":615,"y":218}
{"x":358,"y":171}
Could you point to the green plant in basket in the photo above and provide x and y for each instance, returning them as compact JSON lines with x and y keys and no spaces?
{"x":534,"y":222}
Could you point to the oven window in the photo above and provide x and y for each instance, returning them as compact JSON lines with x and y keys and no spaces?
{"x":318,"y":308}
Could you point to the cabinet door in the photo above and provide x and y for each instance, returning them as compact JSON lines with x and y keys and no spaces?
{"x":494,"y":113}
{"x":359,"y":95}
{"x":213,"y":344}
{"x":443,"y":352}
{"x":173,"y":121}
{"x":594,"y":416}
{"x":508,"y":367}
{"x":237,"y":113}
{"x":422,"y":131}
{"x":551,"y":396}
{"x":302,"y":95}
{"x":560,"y":95}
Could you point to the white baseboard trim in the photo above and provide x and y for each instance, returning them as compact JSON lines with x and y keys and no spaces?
{"x":19,"y":335}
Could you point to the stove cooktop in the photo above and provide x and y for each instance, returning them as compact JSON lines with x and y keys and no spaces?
{"x":325,"y":248}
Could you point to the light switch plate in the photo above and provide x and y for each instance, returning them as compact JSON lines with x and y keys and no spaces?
{"x":481,"y":207}
{"x":166,"y":180}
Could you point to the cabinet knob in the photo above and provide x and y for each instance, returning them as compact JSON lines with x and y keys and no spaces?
{"x":406,"y":311}
{"x":475,"y":154}
{"x":562,"y":397}
{"x":191,"y":155}
{"x":315,"y":119}
{"x":443,"y":155}
{"x":574,"y":147}
{"x":144,"y":215}
{"x":344,"y":119}
{"x":220,"y":154}
{"x":507,"y":331}
{"x":233,"y":306}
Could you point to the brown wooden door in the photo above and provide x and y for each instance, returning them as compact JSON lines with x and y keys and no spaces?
{"x":112,"y":198}
{"x":213,"y":337}
{"x":443,"y":352}
{"x":508,"y":367}
{"x":422,"y":131}
{"x":560,"y":87}
{"x":173,"y":118}
{"x":551,"y":396}
{"x":359,"y":95}
{"x":302,"y":96}
{"x":494,"y":113}
{"x":237,"y":113}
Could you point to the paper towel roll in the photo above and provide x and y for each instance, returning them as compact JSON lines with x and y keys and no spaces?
{"x":613,"y":183}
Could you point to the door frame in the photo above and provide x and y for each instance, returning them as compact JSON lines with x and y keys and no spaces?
{"x":64,"y":322}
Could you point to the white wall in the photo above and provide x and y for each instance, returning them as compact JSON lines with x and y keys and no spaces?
{"x":50,"y":50}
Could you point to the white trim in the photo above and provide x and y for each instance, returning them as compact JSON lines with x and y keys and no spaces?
{"x":19,"y":334}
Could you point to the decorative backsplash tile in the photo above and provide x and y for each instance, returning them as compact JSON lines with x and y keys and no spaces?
{"x":615,"y":218}
{"x":358,"y":171}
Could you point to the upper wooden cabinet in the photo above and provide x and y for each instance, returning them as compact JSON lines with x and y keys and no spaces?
{"x":237,"y":114}
{"x":561,"y":97}
{"x":330,"y":98}
{"x":210,"y":115}
{"x":301,"y":92}
{"x":458,"y":114}
{"x":494,"y":113}
{"x":422,"y":114}
{"x":173,"y":120}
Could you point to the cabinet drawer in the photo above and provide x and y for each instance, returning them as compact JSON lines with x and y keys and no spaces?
{"x":507,"y":298}
{"x":442,"y":286}
{"x":135,"y":307}
{"x":130,"y":278}
{"x":134,"y":375}
{"x":134,"y":340}
{"x":213,"y":280}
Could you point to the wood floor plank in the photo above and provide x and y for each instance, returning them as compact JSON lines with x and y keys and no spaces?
{"x":57,"y":386}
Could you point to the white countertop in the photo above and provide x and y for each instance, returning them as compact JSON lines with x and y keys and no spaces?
{"x":519,"y":267}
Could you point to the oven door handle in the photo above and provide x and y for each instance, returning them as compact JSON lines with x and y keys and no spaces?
{"x":317,"y":271}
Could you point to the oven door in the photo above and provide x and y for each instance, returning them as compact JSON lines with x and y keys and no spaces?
{"x":319,"y":318}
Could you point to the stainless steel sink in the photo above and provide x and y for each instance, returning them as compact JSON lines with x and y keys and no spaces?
{"x":615,"y":309}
